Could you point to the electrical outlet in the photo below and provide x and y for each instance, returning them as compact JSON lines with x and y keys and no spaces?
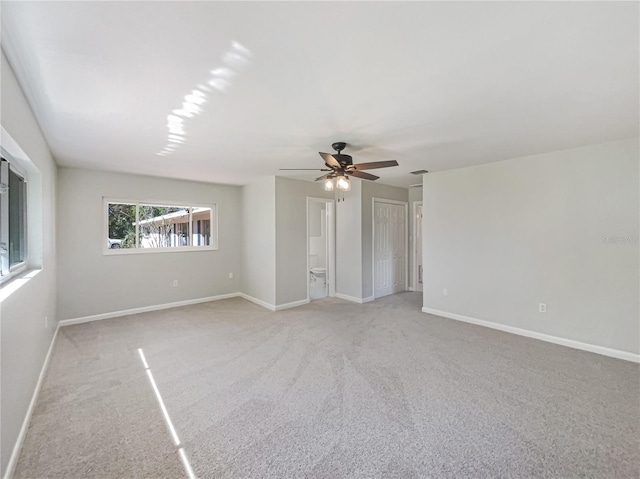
{"x":542,"y":307}
{"x":445,"y":292}
{"x":175,"y":283}
{"x":230,"y":275}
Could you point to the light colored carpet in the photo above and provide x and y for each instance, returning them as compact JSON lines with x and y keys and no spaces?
{"x":332,"y":389}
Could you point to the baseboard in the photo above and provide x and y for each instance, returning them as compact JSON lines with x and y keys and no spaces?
{"x":15,"y":454}
{"x":145,"y":309}
{"x":257,"y":301}
{"x":280,"y":307}
{"x":349,"y":298}
{"x":592,"y":348}
{"x":354,"y":299}
{"x":177,"y":304}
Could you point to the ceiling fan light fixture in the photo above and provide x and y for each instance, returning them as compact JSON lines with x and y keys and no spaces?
{"x":328,"y":184}
{"x":343,"y":183}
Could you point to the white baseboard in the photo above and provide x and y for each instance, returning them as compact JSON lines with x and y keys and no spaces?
{"x":354,"y":299}
{"x":614,"y":353}
{"x":349,"y":298}
{"x":280,"y":307}
{"x":145,"y":309}
{"x":257,"y":301}
{"x":17,"y":447}
{"x":157,"y":307}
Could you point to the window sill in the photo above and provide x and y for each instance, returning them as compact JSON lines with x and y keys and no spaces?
{"x":182,"y":249}
{"x":14,"y":284}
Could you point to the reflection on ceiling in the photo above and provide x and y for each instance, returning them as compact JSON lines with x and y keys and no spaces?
{"x":231,"y":92}
{"x":234,"y":60}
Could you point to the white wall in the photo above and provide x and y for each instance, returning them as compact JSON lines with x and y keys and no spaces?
{"x":372,"y":190}
{"x":291,"y":237}
{"x":354,"y":236}
{"x":505,"y":236}
{"x":316,"y":217}
{"x":92,"y":283}
{"x":259,"y":240}
{"x":24,"y":337}
{"x":349,"y":241}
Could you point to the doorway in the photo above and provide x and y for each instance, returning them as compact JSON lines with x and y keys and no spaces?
{"x":417,"y":245}
{"x":320,"y":248}
{"x":389,"y":247}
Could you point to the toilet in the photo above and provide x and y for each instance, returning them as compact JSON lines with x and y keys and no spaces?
{"x":319,"y":273}
{"x":318,"y":285}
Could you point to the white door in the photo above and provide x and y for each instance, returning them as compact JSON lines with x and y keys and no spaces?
{"x":417,"y":244}
{"x":389,"y":248}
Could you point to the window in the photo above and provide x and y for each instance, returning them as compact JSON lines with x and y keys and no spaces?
{"x":137,"y":227}
{"x":13,"y":219}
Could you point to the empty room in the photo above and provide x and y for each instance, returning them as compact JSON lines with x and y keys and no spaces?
{"x":319,"y":239}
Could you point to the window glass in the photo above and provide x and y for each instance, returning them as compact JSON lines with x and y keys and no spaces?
{"x":17,"y":221}
{"x":163,"y":226}
{"x":201,"y":226}
{"x":13,"y":219}
{"x":155,"y":226}
{"x":121,"y":226}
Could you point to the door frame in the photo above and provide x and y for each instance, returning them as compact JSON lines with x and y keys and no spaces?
{"x":373,"y":241}
{"x":331,"y":243}
{"x":414,"y":251}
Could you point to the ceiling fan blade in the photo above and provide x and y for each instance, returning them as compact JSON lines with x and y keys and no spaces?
{"x":361,"y":174}
{"x":375,"y":164}
{"x":305,"y":169}
{"x":330,"y":160}
{"x":324,"y":177}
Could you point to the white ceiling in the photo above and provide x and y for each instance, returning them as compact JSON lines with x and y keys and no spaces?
{"x":433,"y":85}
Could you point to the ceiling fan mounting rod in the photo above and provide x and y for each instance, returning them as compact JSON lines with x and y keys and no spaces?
{"x":339,"y":146}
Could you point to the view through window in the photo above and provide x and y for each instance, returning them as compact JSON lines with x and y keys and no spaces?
{"x":147,"y":226}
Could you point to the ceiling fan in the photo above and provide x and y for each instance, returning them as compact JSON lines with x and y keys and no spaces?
{"x":341,"y":167}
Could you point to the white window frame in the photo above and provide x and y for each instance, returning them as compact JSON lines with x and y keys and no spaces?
{"x":6,"y":270}
{"x":213,"y":216}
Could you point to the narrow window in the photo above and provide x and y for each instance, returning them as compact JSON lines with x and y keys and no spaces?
{"x":13,"y":219}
